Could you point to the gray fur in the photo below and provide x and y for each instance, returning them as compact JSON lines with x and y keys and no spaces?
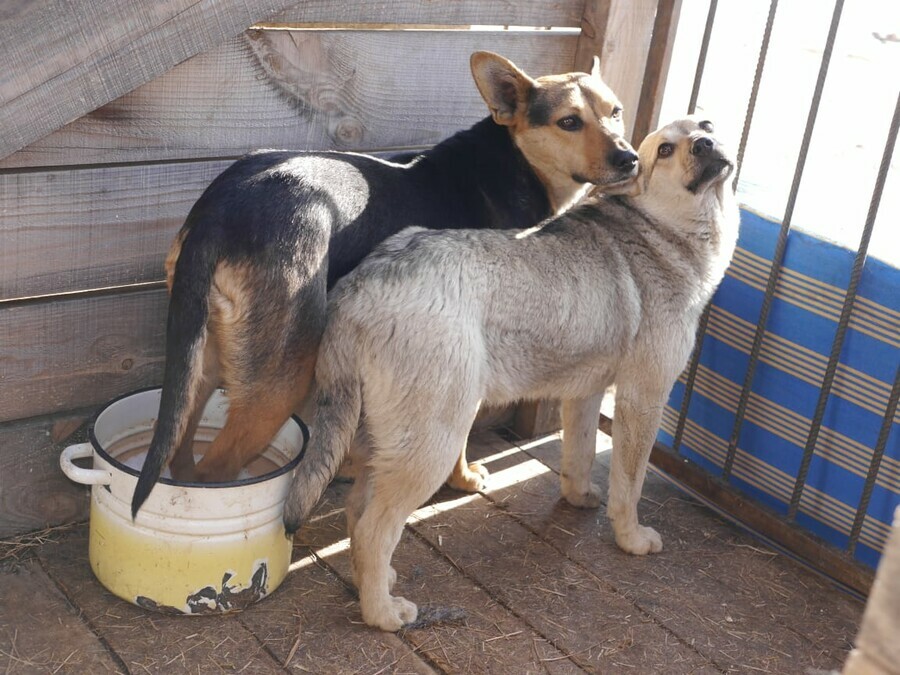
{"x":433,"y":324}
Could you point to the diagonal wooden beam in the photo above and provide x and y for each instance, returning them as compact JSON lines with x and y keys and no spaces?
{"x":63,"y":59}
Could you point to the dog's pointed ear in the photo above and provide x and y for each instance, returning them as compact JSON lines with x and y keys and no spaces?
{"x":595,"y":67}
{"x":503,"y":86}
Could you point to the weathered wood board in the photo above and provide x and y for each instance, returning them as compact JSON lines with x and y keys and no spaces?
{"x":459,"y":12}
{"x":93,"y":228}
{"x":353,"y":90}
{"x":63,"y":59}
{"x":34,"y":493}
{"x":41,"y":633}
{"x":78,"y":353}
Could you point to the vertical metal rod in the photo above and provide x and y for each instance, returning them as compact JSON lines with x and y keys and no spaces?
{"x":704,"y":320}
{"x":846,"y":311}
{"x":701,"y":59}
{"x":754,"y":91}
{"x":689,"y":382}
{"x":877,"y":454}
{"x":778,"y":255}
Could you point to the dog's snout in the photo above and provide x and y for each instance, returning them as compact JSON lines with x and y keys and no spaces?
{"x":702,"y":146}
{"x":623,"y":159}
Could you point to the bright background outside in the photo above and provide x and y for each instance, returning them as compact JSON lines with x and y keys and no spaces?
{"x":851,"y":126}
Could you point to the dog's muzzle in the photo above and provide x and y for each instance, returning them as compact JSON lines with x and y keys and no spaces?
{"x":712,"y":165}
{"x":623,"y":160}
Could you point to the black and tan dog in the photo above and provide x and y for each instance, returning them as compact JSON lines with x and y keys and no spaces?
{"x":249,"y":270}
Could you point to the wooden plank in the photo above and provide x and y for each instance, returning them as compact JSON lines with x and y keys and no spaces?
{"x":713,"y":584}
{"x":659,"y":58}
{"x":594,"y":21}
{"x":65,"y":231}
{"x":79,"y":353}
{"x":619,"y":32}
{"x":63,"y":59}
{"x":536,"y":418}
{"x":310,"y":92}
{"x":304,"y":624}
{"x":34,"y":493}
{"x":477,"y":634}
{"x":624,"y":57}
{"x":459,"y":12}
{"x":820,"y":555}
{"x":40,"y":632}
{"x":147,"y":641}
{"x":557,"y":595}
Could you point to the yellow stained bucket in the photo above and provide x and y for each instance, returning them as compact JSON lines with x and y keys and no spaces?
{"x":194,"y":548}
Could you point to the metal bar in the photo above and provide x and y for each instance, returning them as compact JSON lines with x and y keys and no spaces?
{"x":877,"y":454}
{"x":778,"y":255}
{"x":754,"y":91}
{"x":701,"y":59}
{"x":704,"y":320}
{"x":689,"y":382}
{"x":846,"y":311}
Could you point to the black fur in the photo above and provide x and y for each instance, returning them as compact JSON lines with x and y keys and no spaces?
{"x":264,"y":211}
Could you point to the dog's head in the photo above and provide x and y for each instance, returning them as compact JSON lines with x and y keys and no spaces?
{"x":569,"y":127}
{"x":684,"y":169}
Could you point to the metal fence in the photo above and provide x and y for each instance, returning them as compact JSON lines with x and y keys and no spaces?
{"x":782,"y":528}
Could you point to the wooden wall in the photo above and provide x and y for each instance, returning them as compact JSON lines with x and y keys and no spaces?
{"x":106,"y":143}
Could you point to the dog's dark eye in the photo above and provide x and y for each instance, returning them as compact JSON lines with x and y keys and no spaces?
{"x":665,"y":149}
{"x":570,"y":123}
{"x":707,"y":126}
{"x":616,"y":113}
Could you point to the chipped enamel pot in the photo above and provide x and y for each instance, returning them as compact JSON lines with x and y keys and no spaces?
{"x":194,"y":548}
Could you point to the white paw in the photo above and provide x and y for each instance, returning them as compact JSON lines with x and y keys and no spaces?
{"x":583,"y":500}
{"x":473,"y":479}
{"x":391,"y":615}
{"x":640,"y":541}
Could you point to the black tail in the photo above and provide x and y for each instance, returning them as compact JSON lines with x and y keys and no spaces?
{"x":185,"y":341}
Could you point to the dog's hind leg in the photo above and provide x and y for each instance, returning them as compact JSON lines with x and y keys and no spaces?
{"x":402,"y":476}
{"x":182,"y":462}
{"x":255,"y":414}
{"x":580,"y":418}
{"x":635,"y":424}
{"x":357,"y":500}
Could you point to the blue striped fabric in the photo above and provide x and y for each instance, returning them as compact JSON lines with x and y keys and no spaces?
{"x":798,"y":340}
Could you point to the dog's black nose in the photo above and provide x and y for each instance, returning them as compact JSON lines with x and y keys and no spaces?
{"x":702,"y":146}
{"x":623,"y":159}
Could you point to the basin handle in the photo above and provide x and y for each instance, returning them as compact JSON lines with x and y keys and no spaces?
{"x":76,"y":473}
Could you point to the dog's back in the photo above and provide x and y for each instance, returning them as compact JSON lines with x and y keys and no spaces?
{"x":433,"y":324}
{"x":249,"y":270}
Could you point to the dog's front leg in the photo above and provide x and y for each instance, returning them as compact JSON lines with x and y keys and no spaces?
{"x":635,"y":425}
{"x":580,"y":417}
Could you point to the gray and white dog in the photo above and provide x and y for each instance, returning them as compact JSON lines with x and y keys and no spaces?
{"x":435,"y":323}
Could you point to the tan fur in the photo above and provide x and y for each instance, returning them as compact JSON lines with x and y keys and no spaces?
{"x":556,"y":154}
{"x":172,"y":258}
{"x":430,"y":325}
{"x":264,"y":392}
{"x":257,"y":408}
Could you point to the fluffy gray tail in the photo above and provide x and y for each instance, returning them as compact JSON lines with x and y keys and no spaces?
{"x":338,"y":409}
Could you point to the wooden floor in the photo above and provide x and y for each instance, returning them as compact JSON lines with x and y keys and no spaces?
{"x":510,"y":581}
